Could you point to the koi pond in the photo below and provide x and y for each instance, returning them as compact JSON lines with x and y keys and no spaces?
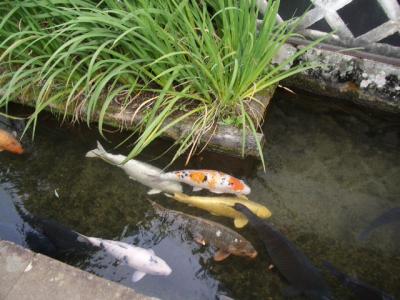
{"x":331,"y":169}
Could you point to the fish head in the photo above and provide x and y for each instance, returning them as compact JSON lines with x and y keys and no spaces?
{"x":238,"y":186}
{"x":242,"y":248}
{"x":246,"y":189}
{"x":10,"y":144}
{"x":156,"y":266}
{"x":263,"y":212}
{"x":15,"y":147}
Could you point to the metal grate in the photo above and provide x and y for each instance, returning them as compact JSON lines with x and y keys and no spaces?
{"x":328,"y":12}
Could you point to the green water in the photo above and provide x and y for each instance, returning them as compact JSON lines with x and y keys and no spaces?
{"x":330,"y":170}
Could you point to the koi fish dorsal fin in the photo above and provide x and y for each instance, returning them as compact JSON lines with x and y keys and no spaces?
{"x":220,"y":255}
{"x":240,"y":222}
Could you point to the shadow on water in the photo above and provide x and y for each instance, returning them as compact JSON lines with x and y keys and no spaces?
{"x":330,"y":169}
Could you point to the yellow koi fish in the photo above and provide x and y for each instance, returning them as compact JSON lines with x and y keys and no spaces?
{"x":223,"y":206}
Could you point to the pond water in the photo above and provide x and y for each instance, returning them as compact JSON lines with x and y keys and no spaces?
{"x":331,"y":169}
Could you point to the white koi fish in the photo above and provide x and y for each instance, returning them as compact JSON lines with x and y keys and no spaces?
{"x":215,"y":181}
{"x":138,"y":171}
{"x":144,"y":261}
{"x":61,"y":238}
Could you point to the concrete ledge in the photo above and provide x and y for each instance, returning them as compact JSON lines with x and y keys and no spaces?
{"x":25,"y":275}
{"x":353,"y":78}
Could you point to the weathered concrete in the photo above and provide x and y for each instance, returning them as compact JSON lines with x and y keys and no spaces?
{"x":363,"y":81}
{"x":13,"y":261}
{"x":25,"y":275}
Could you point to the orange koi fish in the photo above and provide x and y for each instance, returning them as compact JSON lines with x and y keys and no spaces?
{"x":9,"y":143}
{"x":215,"y":181}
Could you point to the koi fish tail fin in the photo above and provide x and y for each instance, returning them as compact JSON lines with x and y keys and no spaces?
{"x":24,"y":213}
{"x":98,"y":152}
{"x":91,"y":240}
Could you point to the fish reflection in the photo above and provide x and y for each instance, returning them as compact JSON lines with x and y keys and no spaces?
{"x":389,"y":216}
{"x":360,"y":289}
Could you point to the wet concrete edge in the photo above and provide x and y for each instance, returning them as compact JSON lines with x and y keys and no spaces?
{"x":27,"y":275}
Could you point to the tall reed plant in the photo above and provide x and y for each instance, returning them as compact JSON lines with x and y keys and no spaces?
{"x":200,"y":60}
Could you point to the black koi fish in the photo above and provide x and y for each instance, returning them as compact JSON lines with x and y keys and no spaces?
{"x":389,"y":216}
{"x":303,"y":277}
{"x":360,"y":289}
{"x":61,"y":238}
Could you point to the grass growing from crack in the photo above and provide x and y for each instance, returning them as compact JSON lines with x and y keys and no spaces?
{"x":204,"y":60}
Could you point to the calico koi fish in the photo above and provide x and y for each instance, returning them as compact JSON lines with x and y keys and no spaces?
{"x":9,"y":143}
{"x":215,"y":181}
{"x":223,"y":206}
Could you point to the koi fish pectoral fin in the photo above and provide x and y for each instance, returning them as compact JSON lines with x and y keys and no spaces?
{"x":221,"y":255}
{"x":137,"y":275}
{"x":243,"y":197}
{"x":153,"y":191}
{"x":214,"y":213}
{"x":198,"y":238}
{"x":240,"y":222}
{"x":196,"y":189}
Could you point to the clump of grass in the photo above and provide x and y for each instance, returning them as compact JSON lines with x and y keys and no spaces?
{"x":204,"y":60}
